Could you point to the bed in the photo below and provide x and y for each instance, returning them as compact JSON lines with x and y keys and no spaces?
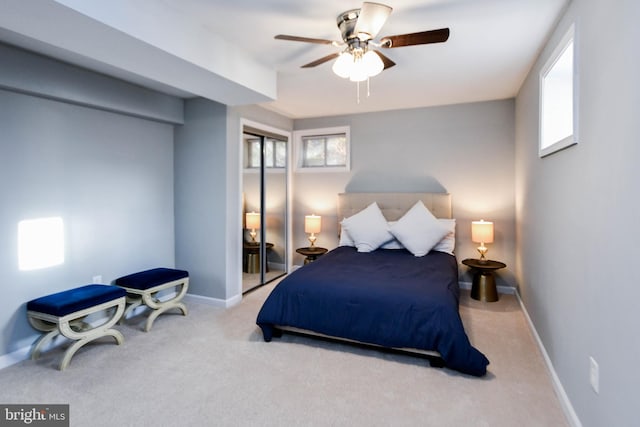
{"x":388,"y":296}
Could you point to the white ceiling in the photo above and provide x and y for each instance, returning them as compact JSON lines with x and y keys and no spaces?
{"x":224,"y":49}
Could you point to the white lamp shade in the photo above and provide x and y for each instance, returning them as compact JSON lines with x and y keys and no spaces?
{"x":312,"y":223}
{"x":253,"y":220}
{"x":482,"y":231}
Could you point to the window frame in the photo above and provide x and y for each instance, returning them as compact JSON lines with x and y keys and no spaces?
{"x":274,"y":142}
{"x":545,"y":148}
{"x":298,"y":138}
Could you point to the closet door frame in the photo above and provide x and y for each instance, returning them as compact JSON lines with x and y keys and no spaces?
{"x":265,"y":131}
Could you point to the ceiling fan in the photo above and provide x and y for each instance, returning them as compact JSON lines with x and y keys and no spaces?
{"x":359,"y":28}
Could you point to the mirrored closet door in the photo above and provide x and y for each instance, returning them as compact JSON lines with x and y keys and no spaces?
{"x":264,"y":208}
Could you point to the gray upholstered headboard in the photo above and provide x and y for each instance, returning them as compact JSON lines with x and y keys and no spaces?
{"x":394,"y":205}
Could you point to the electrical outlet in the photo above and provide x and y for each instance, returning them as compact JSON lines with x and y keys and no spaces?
{"x":96,"y":279}
{"x":594,"y":374}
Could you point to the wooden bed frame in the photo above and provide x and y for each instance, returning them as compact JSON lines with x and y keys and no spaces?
{"x":393,"y":207}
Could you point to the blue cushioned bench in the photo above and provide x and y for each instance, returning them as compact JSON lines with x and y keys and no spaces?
{"x":143,"y":287}
{"x":63,"y":313}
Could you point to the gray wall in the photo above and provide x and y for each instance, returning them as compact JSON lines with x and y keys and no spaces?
{"x":28,"y":73}
{"x":466,"y":150}
{"x":200,"y":193}
{"x":577,"y":212}
{"x":109,"y":176}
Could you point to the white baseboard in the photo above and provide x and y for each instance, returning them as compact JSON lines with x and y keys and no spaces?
{"x":506,"y":290}
{"x":14,"y":357}
{"x":216,"y":302}
{"x":276,"y":266}
{"x":565,"y":403}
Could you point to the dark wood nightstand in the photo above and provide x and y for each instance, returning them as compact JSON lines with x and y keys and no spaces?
{"x":251,"y":257}
{"x":311,"y":253}
{"x":484,"y":282}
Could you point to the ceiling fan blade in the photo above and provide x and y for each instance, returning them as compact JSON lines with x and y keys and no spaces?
{"x":386,"y":61}
{"x":371,"y":19}
{"x":303,"y":39}
{"x":424,"y":37}
{"x":321,"y":60}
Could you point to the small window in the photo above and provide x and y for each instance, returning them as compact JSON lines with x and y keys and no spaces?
{"x":558,"y":100}
{"x":275,"y":153}
{"x":322,"y":150}
{"x":253,"y":151}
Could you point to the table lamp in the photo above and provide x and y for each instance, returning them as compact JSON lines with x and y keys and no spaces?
{"x":482,"y":232}
{"x":253,"y":223}
{"x":312,"y":224}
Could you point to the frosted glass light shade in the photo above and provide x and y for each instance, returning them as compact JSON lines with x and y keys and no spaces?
{"x":358,"y":68}
{"x":372,"y":63}
{"x":359,"y":71}
{"x":343,"y":65}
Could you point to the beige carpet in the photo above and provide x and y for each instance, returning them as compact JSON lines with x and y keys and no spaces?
{"x":212,"y":368}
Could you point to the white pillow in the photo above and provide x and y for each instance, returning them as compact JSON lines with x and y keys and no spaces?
{"x":392,"y":244}
{"x":346,"y":240}
{"x":368,"y":228}
{"x":448,"y":242}
{"x":446,"y":245}
{"x":418,"y":230}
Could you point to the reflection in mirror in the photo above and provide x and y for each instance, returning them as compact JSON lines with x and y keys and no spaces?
{"x":264,"y":209}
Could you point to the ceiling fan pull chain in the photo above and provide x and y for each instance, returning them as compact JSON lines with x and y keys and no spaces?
{"x":358,"y":92}
{"x":368,"y":92}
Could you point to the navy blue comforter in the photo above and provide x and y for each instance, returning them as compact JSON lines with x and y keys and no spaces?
{"x":387,"y":297}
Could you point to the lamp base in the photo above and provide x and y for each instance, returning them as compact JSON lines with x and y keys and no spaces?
{"x":312,"y":240}
{"x":482,"y":249}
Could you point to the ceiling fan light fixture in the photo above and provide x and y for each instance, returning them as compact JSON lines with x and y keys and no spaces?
{"x":343,"y":65}
{"x":372,"y":63}
{"x":358,"y":67}
{"x":359,"y":72}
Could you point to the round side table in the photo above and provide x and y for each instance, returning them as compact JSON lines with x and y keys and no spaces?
{"x":251,"y":261}
{"x":484,"y":282}
{"x":311,"y":253}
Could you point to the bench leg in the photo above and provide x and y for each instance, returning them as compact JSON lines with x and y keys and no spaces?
{"x":158,"y":307}
{"x":86,"y":336}
{"x":43,"y":341}
{"x":133,"y":301}
{"x":157,"y":312}
{"x":78,"y":344}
